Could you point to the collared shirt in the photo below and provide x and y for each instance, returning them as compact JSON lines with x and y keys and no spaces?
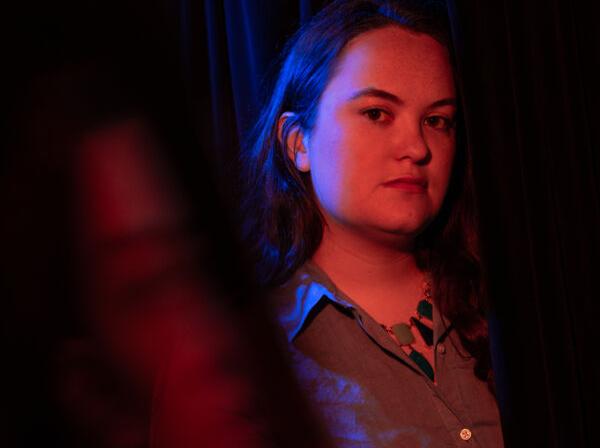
{"x":365,"y":388}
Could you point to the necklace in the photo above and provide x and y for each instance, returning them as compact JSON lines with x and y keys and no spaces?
{"x":403,"y":332}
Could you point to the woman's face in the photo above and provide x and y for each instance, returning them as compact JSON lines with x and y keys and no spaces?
{"x":380,"y":153}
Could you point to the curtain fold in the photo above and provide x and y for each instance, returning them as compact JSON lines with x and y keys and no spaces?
{"x":527,"y":71}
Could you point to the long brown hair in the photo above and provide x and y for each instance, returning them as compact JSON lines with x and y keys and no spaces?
{"x":282,"y":222}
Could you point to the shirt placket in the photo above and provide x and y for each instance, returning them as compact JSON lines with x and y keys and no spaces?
{"x":457,"y":426}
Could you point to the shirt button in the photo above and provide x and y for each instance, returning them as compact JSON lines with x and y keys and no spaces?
{"x":441,"y":349}
{"x":465,"y":434}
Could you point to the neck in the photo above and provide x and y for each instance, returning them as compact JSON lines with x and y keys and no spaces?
{"x":381,"y":276}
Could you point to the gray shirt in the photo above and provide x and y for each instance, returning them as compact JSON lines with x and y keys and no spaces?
{"x":365,"y":388}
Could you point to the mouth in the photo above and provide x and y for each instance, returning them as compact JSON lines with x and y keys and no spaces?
{"x":408,"y":183}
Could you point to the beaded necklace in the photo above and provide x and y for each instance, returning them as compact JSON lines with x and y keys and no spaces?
{"x":404,"y":335}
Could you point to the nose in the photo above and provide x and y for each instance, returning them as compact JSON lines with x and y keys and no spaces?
{"x":409,"y":141}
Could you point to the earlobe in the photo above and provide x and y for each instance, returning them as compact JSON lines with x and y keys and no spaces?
{"x":296,"y":142}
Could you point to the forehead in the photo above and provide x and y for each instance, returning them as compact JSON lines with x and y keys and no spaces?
{"x":402,"y":62}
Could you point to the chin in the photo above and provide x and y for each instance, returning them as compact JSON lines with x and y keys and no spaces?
{"x":394,"y":232}
{"x":411,"y":225}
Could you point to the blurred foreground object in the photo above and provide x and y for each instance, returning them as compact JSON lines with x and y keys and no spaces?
{"x":155,"y":309}
{"x":127,"y":319}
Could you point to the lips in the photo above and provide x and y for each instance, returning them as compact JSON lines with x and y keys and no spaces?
{"x":410,"y":183}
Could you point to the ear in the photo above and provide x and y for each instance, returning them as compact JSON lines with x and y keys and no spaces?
{"x":296,"y":144}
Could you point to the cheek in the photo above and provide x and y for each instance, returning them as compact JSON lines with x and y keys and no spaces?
{"x":328,"y":161}
{"x":327,"y":170}
{"x":343,"y":162}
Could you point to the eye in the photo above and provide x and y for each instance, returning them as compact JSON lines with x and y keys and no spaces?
{"x":377,"y":115}
{"x":439,"y":122}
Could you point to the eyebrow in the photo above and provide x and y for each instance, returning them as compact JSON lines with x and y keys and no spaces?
{"x":377,"y":93}
{"x":383,"y":94}
{"x":443,"y":102}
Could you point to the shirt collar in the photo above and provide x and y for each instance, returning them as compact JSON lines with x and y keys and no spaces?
{"x":295,"y":300}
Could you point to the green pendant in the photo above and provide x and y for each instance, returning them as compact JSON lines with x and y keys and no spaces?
{"x":422,"y":362}
{"x":403,"y":334}
{"x":424,"y":330}
{"x":425,"y":309}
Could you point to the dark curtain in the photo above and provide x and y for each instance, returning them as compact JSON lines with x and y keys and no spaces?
{"x":233,"y":47}
{"x":529,"y":78}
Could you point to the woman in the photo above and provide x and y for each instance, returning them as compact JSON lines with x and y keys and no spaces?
{"x":361,"y":218}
